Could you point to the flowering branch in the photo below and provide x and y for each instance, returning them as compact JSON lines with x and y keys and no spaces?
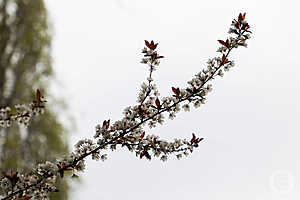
{"x":22,"y":113}
{"x":129,"y":132}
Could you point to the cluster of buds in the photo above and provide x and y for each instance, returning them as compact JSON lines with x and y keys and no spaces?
{"x":129,"y":131}
{"x":22,"y":113}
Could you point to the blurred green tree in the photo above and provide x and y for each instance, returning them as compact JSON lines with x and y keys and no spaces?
{"x":25,"y":65}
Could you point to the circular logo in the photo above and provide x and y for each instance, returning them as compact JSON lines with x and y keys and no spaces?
{"x":282,"y":182}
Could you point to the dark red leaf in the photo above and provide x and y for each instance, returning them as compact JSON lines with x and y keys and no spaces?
{"x":242,"y":16}
{"x":151,"y":45}
{"x":147,"y":44}
{"x":107,"y":124}
{"x":38,"y":95}
{"x":224,"y":59}
{"x":222,"y":42}
{"x":142,"y":154}
{"x":237,"y":25}
{"x":245,"y":26}
{"x":142,"y":136}
{"x":227,"y":43}
{"x":176,"y":91}
{"x":157,"y":103}
{"x":4,"y":174}
{"x":193,"y":138}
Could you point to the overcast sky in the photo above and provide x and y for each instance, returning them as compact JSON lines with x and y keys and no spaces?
{"x":250,"y":121}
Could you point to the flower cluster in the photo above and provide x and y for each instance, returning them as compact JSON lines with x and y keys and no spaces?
{"x":22,"y":113}
{"x":42,"y":178}
{"x":129,"y":132}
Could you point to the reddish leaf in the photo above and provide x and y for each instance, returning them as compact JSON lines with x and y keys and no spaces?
{"x":157,"y":103}
{"x":106,"y":124}
{"x":237,"y":25}
{"x":245,"y":26}
{"x":227,"y":43}
{"x":62,"y":168}
{"x":176,"y":91}
{"x":193,"y":138}
{"x":242,"y":17}
{"x":222,"y":42}
{"x":151,"y":45}
{"x":147,"y":43}
{"x":142,"y":136}
{"x":12,"y":177}
{"x":11,"y":173}
{"x":224,"y":60}
{"x":38,"y":95}
{"x":4,"y":174}
{"x":195,"y":141}
{"x":61,"y":171}
{"x":142,"y":154}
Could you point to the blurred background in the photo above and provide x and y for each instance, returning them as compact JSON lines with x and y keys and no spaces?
{"x":250,"y":122}
{"x":26,"y":65}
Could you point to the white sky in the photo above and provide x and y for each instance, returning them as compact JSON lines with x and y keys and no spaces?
{"x":250,"y":121}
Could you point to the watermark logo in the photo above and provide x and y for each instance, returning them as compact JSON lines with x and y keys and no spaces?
{"x":282,"y":182}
